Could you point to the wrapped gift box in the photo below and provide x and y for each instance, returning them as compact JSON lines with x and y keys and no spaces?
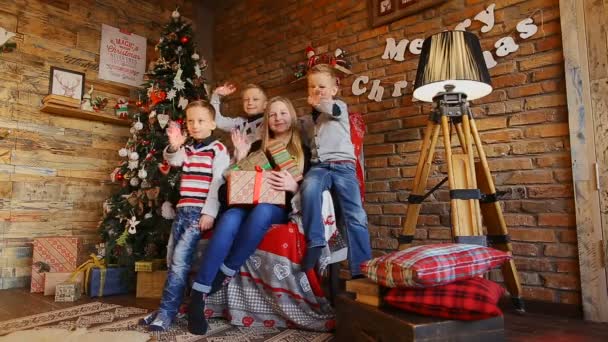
{"x":52,"y":279}
{"x":150,"y":284}
{"x":15,"y":267}
{"x":55,"y":254}
{"x":150,"y":265}
{"x":69,"y":291}
{"x":252,"y":187}
{"x":283,"y":160}
{"x":250,"y":162}
{"x":115,"y":280}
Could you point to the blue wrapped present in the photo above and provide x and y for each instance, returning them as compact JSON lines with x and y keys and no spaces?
{"x":108,"y":281}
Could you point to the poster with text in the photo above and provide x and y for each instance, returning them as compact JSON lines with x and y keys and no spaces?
{"x":122,"y":56}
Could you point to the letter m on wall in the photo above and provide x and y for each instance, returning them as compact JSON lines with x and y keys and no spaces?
{"x":395,"y":51}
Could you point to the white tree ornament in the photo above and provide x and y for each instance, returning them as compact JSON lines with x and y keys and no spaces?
{"x":463,"y":25}
{"x":133,"y":164}
{"x":376,"y":92}
{"x":398,"y":87}
{"x":197,"y":70}
{"x":183,"y":102}
{"x":123,"y":152}
{"x":138,"y":126}
{"x":134,"y":156}
{"x":163,"y":120}
{"x":134,"y":181}
{"x":487,"y":17}
{"x":490,"y":61}
{"x":171,"y":94}
{"x":526,"y":28}
{"x":505,"y":46}
{"x":356,"y":87}
{"x":142,"y":174}
{"x":132,"y":222}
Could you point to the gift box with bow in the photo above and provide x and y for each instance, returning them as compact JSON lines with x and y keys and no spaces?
{"x":252,"y":187}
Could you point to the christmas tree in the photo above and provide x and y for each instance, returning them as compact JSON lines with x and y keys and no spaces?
{"x":137,"y":220}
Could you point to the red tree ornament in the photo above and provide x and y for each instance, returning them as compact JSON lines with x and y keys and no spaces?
{"x":184,"y":40}
{"x":119,"y":176}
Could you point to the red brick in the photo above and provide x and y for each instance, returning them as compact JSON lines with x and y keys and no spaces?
{"x":528,"y":177}
{"x":561,"y":281}
{"x":550,"y":191}
{"x":539,"y":293}
{"x":567,"y":266}
{"x":410,"y":146}
{"x":541,"y":60}
{"x":562,"y":160}
{"x":550,"y":72}
{"x":532,"y":235}
{"x":384,"y":126}
{"x":509,"y":80}
{"x":504,"y":135}
{"x":440,"y":233}
{"x":502,"y":68}
{"x":410,"y":159}
{"x":376,"y":186}
{"x":561,"y":250}
{"x":570,"y":298}
{"x":404,"y":135}
{"x":398,"y":209}
{"x":408,"y":171}
{"x":526,"y":90}
{"x":552,"y":205}
{"x":531,"y":117}
{"x":402,"y":184}
{"x":372,"y":209}
{"x":375,"y":174}
{"x":557,"y":219}
{"x":491,"y":123}
{"x":564,"y":175}
{"x":525,"y":249}
{"x":533,"y":264}
{"x":547,"y":130}
{"x":505,"y":164}
{"x":375,"y":150}
{"x":568,"y":236}
{"x":428,"y":220}
{"x":544,"y":101}
{"x":376,"y":162}
{"x":496,"y":150}
{"x":519,"y":220}
{"x":373,"y":139}
{"x":535,"y":146}
{"x":416,"y":121}
{"x":549,"y":43}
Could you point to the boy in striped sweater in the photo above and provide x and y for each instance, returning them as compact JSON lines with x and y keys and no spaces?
{"x":203,"y":161}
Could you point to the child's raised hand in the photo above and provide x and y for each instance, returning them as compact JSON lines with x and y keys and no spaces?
{"x":206,"y":222}
{"x":241,"y":144}
{"x":175,"y":135}
{"x":225,"y":89}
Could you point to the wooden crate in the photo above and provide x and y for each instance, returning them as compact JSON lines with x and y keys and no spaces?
{"x":15,"y":267}
{"x":360,"y":322}
{"x":150,"y":284}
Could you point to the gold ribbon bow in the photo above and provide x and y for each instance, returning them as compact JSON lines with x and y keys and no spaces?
{"x":86,"y":267}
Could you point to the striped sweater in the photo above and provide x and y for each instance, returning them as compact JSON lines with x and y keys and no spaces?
{"x":202,"y":174}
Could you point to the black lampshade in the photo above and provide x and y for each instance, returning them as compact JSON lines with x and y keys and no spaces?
{"x":452,"y":57}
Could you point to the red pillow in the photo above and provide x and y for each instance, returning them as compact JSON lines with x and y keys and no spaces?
{"x":432,"y":265}
{"x":466,"y":300}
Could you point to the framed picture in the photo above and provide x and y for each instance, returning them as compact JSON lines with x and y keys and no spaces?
{"x":382,"y":12}
{"x":66,"y":83}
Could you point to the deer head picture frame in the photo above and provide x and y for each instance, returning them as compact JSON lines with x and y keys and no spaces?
{"x":65,"y":82}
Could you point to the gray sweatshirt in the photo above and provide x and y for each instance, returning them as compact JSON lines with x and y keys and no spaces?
{"x":327,"y":132}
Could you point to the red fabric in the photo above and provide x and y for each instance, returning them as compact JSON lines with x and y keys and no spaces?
{"x":357,"y":132}
{"x":257,"y":186}
{"x":467,"y":300}
{"x":432,"y":265}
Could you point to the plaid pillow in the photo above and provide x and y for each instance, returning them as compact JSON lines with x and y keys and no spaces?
{"x":467,"y":300}
{"x":432,"y":265}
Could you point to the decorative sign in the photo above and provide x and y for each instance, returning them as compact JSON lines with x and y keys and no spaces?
{"x":381,"y":12}
{"x":397,"y":51}
{"x":122,"y":56}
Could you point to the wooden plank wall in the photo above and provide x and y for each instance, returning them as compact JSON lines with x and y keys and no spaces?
{"x":54,"y":170}
{"x":585,"y":40}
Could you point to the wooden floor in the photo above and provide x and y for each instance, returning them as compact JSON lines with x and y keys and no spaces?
{"x":533,"y":326}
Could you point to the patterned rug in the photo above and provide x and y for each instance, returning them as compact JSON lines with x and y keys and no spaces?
{"x":110,"y":317}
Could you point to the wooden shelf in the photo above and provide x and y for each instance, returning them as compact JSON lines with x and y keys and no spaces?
{"x":82,"y":114}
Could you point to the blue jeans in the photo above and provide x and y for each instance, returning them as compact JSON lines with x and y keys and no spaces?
{"x":237,"y":234}
{"x":341,"y":179}
{"x":186,"y":234}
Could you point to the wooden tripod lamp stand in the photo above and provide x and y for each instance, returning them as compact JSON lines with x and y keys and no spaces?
{"x":451,"y":72}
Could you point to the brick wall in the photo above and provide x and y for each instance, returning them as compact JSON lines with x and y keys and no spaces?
{"x":523,"y":123}
{"x":53,"y":169}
